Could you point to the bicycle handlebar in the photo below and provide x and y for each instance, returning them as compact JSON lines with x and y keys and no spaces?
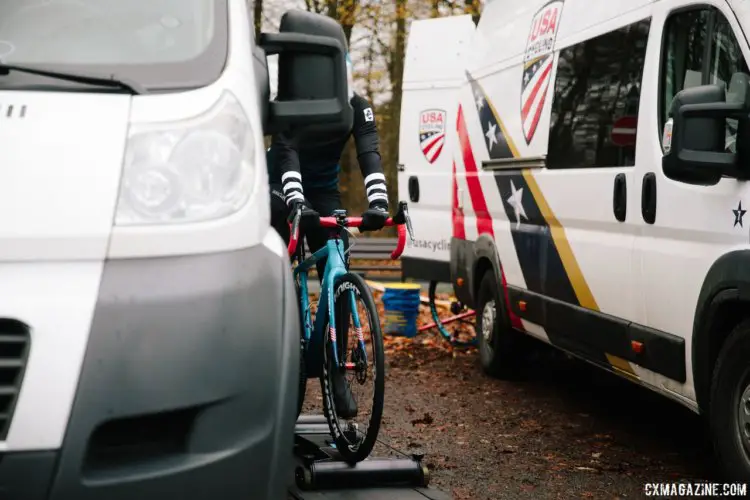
{"x":400,"y":220}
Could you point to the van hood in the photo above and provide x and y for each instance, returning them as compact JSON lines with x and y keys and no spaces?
{"x":61,"y":157}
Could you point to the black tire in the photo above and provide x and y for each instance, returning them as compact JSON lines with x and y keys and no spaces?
{"x":499,"y":354}
{"x":731,"y":378}
{"x":302,"y":370}
{"x":362,"y":450}
{"x":302,"y":382}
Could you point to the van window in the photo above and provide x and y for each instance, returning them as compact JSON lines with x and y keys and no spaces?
{"x":685,"y":39}
{"x":699,"y":49}
{"x":595,"y":106}
{"x":158,"y":43}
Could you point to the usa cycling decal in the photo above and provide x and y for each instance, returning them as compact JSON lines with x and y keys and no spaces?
{"x":432,"y":133}
{"x":537,"y":66}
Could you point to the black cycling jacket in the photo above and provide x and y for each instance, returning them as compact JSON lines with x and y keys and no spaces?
{"x":298,"y":168}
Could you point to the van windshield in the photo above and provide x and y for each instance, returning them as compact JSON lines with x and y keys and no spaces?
{"x":161,"y":44}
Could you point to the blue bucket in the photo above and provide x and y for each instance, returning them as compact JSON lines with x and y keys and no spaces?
{"x":401,"y":303}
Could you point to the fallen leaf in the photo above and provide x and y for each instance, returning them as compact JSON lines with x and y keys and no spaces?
{"x":425,"y":420}
{"x":587,"y":469}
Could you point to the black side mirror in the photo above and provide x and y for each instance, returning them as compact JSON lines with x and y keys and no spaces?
{"x":312,"y":79}
{"x":694,"y":138}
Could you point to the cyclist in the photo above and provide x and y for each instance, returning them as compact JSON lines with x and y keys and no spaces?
{"x":305,"y":177}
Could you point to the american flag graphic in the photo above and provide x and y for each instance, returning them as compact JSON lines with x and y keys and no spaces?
{"x":432,"y":133}
{"x":536,"y":77}
{"x":498,"y":145}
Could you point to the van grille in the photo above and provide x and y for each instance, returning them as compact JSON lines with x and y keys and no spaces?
{"x":15,"y":342}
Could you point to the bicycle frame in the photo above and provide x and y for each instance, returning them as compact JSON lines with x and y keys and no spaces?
{"x":314,"y":335}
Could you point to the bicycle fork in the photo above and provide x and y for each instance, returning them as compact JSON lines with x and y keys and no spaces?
{"x":357,"y":329}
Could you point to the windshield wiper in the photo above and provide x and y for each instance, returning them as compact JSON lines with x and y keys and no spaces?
{"x":110,"y":81}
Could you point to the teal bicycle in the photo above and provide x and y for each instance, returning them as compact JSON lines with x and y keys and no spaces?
{"x":343,"y":343}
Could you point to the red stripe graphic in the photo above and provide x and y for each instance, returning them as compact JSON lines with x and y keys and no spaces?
{"x":459,"y":230}
{"x":484,"y":220}
{"x":515,"y":321}
{"x":537,"y":115}
{"x":534,"y":92}
{"x":429,"y":146}
{"x":437,"y":153}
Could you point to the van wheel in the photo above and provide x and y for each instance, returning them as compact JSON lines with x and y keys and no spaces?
{"x":729,"y":415}
{"x":497,"y":341}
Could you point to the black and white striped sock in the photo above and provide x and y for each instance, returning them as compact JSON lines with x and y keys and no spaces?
{"x":375,"y":187}
{"x":291,"y":184}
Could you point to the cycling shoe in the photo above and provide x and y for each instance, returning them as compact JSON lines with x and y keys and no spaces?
{"x":346,"y":406}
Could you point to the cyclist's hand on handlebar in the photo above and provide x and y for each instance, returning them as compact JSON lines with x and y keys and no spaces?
{"x":309,"y":217}
{"x":375,"y":217}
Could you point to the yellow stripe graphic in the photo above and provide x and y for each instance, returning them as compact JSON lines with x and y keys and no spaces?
{"x":531,"y":62}
{"x":572,"y":269}
{"x":622,"y":366}
{"x":508,"y":139}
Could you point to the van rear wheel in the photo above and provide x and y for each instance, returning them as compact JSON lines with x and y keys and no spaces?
{"x":498,"y":342}
{"x":729,"y":415}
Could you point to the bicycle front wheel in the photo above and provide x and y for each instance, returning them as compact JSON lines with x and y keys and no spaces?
{"x":354,"y":389}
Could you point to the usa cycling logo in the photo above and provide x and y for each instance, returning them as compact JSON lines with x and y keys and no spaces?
{"x":432,"y":133}
{"x":537,"y":65}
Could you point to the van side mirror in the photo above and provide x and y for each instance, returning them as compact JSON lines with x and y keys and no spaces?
{"x":312,"y":75}
{"x":695,"y":135}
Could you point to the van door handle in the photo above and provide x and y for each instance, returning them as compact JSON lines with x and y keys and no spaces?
{"x":648,"y":198}
{"x":413,"y":189}
{"x":620,"y":198}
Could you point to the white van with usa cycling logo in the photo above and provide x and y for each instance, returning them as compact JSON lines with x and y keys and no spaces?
{"x":587,"y":161}
{"x":149,"y":335}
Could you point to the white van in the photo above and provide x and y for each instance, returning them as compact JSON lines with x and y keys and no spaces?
{"x":149,"y":338}
{"x":531,"y":150}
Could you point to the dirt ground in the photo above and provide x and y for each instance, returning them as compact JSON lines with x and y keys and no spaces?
{"x":565,"y":430}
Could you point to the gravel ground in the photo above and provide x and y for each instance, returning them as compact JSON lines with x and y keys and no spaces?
{"x":565,"y":430}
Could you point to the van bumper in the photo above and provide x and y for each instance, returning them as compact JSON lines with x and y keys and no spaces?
{"x":188,"y":388}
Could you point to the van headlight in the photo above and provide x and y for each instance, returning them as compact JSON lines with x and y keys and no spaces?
{"x":189,"y":171}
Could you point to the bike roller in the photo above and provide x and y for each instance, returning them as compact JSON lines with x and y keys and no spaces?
{"x":329,"y":474}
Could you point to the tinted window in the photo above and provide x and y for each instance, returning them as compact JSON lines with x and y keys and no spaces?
{"x":726,"y":55}
{"x":685,"y":39}
{"x":699,"y":48}
{"x":595,"y":107}
{"x":726,"y":60}
{"x":160,"y":43}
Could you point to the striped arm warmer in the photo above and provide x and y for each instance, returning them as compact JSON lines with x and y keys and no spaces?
{"x":376,"y":189}
{"x":291,"y":184}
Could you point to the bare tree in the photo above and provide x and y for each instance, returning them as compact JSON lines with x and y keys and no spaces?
{"x":435,"y":8}
{"x":258,"y":17}
{"x":472,"y":7}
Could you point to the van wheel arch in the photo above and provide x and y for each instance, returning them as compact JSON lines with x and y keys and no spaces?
{"x":486,"y":259}
{"x":723,"y":303}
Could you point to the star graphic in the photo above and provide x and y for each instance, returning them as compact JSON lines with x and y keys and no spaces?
{"x":526,"y":78}
{"x":738,"y":214}
{"x":516,"y":201}
{"x":479,"y":101}
{"x":491,"y":135}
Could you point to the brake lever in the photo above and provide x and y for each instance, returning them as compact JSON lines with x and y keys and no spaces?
{"x":295,"y":224}
{"x":409,"y":228}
